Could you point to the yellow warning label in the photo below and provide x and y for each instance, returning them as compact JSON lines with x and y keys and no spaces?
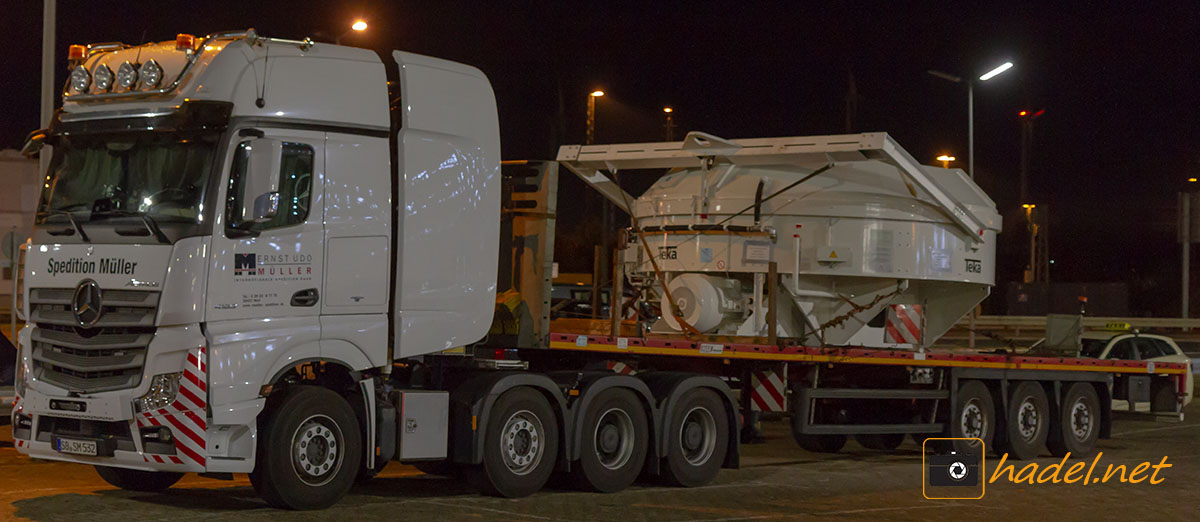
{"x":833,"y":254}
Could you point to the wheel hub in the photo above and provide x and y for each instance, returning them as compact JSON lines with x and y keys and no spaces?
{"x":698,"y":436}
{"x":521,"y":444}
{"x":316,"y":450}
{"x":972,"y":422}
{"x":614,"y":438}
{"x":1028,"y":420}
{"x":1081,"y":420}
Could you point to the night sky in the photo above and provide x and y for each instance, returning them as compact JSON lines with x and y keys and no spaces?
{"x":1119,"y":85}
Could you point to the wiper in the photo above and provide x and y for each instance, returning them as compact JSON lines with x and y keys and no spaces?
{"x":150,"y":223}
{"x":74,"y":224}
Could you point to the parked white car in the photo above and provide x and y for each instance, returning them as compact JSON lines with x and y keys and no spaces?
{"x":1128,"y":345}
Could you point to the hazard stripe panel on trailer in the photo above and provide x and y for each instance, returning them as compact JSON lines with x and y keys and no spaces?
{"x":768,"y":389}
{"x":903,"y":324}
{"x":186,"y":417}
{"x":795,"y":353}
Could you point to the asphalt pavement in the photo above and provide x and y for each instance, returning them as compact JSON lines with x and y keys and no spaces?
{"x":777,"y":481}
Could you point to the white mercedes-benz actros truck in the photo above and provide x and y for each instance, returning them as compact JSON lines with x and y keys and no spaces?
{"x":244,"y":247}
{"x":301,"y":261}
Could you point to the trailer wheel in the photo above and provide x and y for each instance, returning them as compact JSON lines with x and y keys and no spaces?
{"x":698,"y":436}
{"x":880,"y":441}
{"x":615,"y":435}
{"x":137,"y":480}
{"x":309,"y":450}
{"x":520,"y":445}
{"x":1078,"y":423}
{"x":1028,"y":421}
{"x":975,"y":417}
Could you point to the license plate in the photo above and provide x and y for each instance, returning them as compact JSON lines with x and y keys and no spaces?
{"x":78,"y":447}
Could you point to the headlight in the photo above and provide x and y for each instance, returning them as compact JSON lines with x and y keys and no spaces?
{"x":150,"y":74}
{"x":161,"y":394}
{"x":80,"y":79}
{"x":103,"y":77}
{"x":126,"y":75}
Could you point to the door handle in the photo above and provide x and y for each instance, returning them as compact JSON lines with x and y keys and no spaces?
{"x":307,"y":297}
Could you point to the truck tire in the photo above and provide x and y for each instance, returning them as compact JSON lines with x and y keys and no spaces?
{"x":974,"y":417}
{"x":1028,"y":421}
{"x":520,"y":445}
{"x":137,"y":480}
{"x":697,"y":438}
{"x":880,"y":441}
{"x":310,"y":450}
{"x":615,"y":436}
{"x":1078,"y":424}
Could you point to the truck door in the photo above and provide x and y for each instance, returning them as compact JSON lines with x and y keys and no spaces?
{"x":273,"y":268}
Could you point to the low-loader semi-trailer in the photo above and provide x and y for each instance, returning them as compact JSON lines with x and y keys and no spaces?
{"x":301,"y":261}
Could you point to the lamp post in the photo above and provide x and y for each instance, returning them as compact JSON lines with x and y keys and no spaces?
{"x":670,"y":126}
{"x":591,"y":115}
{"x":946,"y":159}
{"x":357,"y":27}
{"x":971,"y":106}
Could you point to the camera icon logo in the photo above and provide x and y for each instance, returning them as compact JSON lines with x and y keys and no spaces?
{"x":952,"y":476}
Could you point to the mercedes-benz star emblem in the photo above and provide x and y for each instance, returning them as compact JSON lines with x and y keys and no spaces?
{"x":86,"y":303}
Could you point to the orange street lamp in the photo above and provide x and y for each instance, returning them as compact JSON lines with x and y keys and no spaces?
{"x":946,"y":159}
{"x":591,"y":115}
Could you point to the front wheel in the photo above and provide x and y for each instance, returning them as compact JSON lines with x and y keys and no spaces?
{"x":310,"y":450}
{"x":137,"y":480}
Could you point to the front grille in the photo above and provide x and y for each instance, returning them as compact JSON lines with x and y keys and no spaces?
{"x":109,"y":355}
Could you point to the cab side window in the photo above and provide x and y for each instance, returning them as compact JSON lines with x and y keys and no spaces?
{"x":295,"y":186}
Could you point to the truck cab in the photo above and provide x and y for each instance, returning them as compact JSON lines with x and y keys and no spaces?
{"x":223,"y":213}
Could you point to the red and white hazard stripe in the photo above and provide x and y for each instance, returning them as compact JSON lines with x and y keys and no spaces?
{"x":186,"y":417}
{"x":620,"y":367}
{"x":767,"y":390}
{"x":903,"y":324}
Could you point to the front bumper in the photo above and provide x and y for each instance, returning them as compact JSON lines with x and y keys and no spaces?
{"x":173,"y":438}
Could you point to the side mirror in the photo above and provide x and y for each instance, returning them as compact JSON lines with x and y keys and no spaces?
{"x":33,"y":143}
{"x":260,"y":184}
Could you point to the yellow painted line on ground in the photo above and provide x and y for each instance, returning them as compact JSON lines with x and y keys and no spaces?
{"x":689,"y":352}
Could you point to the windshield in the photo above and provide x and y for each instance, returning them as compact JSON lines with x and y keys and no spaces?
{"x":159,"y":175}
